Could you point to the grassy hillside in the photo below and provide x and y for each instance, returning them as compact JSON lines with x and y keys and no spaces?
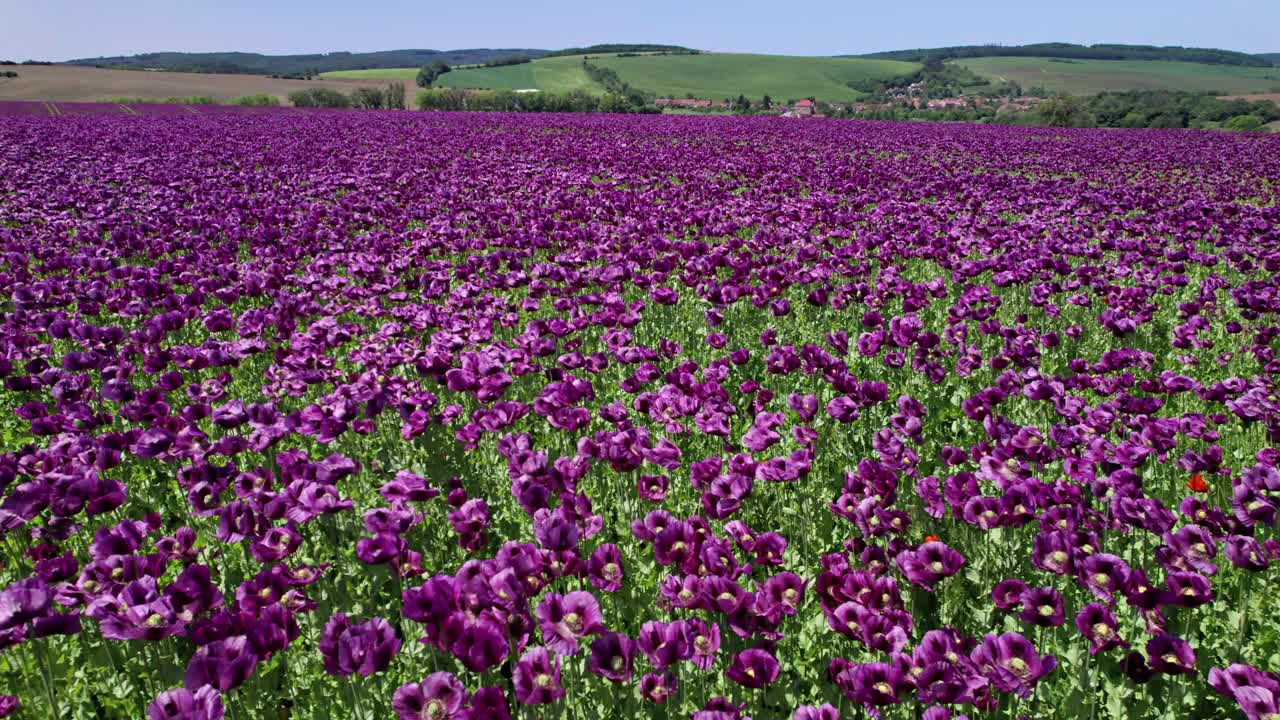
{"x":1086,"y":77}
{"x":556,"y":74}
{"x":405,"y":73}
{"x":706,"y":75}
{"x":68,"y":83}
{"x":782,"y":77}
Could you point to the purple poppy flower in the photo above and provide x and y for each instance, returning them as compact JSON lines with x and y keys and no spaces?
{"x":488,"y":703}
{"x":24,"y":601}
{"x":1011,"y":662}
{"x":225,"y":664}
{"x":1171,"y":655}
{"x":440,"y":696}
{"x":565,"y":619}
{"x":537,"y":678}
{"x":665,"y":643}
{"x":769,"y":548}
{"x":929,"y":563}
{"x":379,"y":549}
{"x":1007,"y":594}
{"x":10,"y":704}
{"x":152,"y":443}
{"x":1042,"y":606}
{"x":277,"y":544}
{"x":470,"y":521}
{"x":1104,"y":575}
{"x":816,"y":712}
{"x":57,"y":569}
{"x":1187,"y":589}
{"x":1097,"y":623}
{"x":878,"y":684}
{"x":56,"y":624}
{"x":706,"y":643}
{"x":1053,"y":552}
{"x":1135,"y":667}
{"x":1246,"y":553}
{"x":407,"y":487}
{"x":945,"y":682}
{"x":653,"y":487}
{"x":480,"y":644}
{"x":1226,"y":680}
{"x":611,"y":657}
{"x":182,"y":704}
{"x":604,"y":568}
{"x":676,"y":543}
{"x":753,"y":668}
{"x":1252,"y":507}
{"x":656,"y":688}
{"x":364,"y":648}
{"x":1139,"y":591}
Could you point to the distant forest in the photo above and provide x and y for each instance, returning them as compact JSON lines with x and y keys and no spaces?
{"x":622,"y":48}
{"x":1273,"y":58}
{"x":1082,"y":52}
{"x":299,"y":65}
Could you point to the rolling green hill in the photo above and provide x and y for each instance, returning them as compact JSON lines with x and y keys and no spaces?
{"x":707,"y":75}
{"x":1273,"y":58}
{"x":556,"y":74}
{"x":1087,"y":77}
{"x":723,"y":75}
{"x":553,"y":74}
{"x":406,"y":73}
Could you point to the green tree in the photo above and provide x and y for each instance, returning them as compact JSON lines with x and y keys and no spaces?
{"x":367,"y":98}
{"x":442,"y":99}
{"x":766,"y":103}
{"x":319,"y":97}
{"x":1064,"y":111}
{"x":430,"y":73}
{"x":393,"y":96}
{"x":614,"y":103}
{"x":1246,"y":123}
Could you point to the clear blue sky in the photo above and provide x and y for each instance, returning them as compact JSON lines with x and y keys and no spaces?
{"x":64,"y":29}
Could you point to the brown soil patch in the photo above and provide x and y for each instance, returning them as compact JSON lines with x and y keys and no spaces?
{"x":67,"y":83}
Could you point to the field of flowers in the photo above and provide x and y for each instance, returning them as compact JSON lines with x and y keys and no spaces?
{"x":428,"y":416}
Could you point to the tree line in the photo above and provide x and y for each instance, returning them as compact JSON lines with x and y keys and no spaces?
{"x":305,"y":64}
{"x":1129,"y":109}
{"x":1210,"y":56}
{"x":513,"y":60}
{"x":608,"y":78}
{"x":365,"y":98}
{"x":609,"y":48}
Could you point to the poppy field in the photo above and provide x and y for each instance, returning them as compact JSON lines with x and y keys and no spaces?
{"x":474,"y":416}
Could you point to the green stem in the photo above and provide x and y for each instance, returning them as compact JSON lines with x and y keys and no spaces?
{"x":351,"y":695}
{"x":46,"y":678}
{"x":1243,"y":597}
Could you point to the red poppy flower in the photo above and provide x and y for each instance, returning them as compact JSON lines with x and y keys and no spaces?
{"x":1197,"y":484}
{"x":931,"y":538}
